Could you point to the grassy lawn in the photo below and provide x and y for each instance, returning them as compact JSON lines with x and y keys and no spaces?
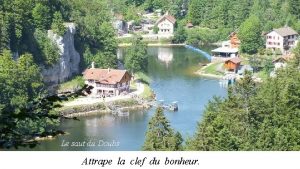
{"x":148,"y":93}
{"x":76,"y":83}
{"x":146,"y":80}
{"x":212,"y":69}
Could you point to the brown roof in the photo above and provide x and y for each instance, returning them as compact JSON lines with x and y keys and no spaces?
{"x":284,"y":58}
{"x":105,"y":76}
{"x":235,"y":60}
{"x":168,"y":17}
{"x":285,"y":31}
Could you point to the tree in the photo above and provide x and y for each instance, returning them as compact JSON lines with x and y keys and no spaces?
{"x":155,"y":29}
{"x":159,"y":136}
{"x":250,"y":35}
{"x":180,"y":35}
{"x":41,"y":16}
{"x":58,"y":24}
{"x":136,"y":58}
{"x":254,"y":116}
{"x":48,"y":51}
{"x":197,"y":11}
{"x":23,"y":114}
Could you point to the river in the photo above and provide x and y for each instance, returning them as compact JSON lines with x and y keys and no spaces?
{"x":171,"y":70}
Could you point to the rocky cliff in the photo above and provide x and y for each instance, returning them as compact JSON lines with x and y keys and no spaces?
{"x":68,"y":64}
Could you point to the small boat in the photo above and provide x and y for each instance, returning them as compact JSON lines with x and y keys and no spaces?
{"x":173,"y":106}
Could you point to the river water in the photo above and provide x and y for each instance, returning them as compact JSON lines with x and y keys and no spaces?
{"x":171,"y":70}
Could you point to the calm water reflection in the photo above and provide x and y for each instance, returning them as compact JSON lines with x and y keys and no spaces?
{"x":171,"y":70}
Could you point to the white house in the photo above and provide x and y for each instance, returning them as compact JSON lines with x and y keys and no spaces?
{"x":166,"y":24}
{"x":107,"y":82}
{"x":283,"y":39}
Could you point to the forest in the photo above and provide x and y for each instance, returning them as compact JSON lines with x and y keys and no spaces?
{"x":253,"y":117}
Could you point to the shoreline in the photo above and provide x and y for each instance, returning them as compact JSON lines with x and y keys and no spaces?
{"x":153,"y":44}
{"x":201,"y":73}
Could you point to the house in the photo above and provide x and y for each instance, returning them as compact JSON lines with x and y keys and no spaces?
{"x":225,"y":50}
{"x":233,"y":64}
{"x":166,"y":24}
{"x":107,"y":82}
{"x":281,"y":61}
{"x":283,"y":39}
{"x":229,"y":48}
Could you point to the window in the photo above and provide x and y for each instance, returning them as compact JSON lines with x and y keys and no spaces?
{"x":270,"y":43}
{"x":278,"y":44}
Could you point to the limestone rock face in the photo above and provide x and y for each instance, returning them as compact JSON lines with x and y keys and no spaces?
{"x":68,"y":64}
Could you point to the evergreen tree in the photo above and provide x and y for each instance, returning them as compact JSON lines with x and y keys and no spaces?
{"x":160,"y":136}
{"x":136,"y":58}
{"x":58,"y":24}
{"x":41,"y":16}
{"x":250,"y":35}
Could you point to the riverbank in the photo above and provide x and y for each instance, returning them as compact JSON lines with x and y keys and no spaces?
{"x":211,"y":70}
{"x":153,"y":44}
{"x":103,"y":108}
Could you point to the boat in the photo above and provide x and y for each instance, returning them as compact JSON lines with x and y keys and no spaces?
{"x":173,"y":106}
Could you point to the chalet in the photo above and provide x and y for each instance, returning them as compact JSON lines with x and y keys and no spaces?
{"x":166,"y":24}
{"x":107,"y":82}
{"x":281,"y":61}
{"x":229,"y":48}
{"x":233,"y":64}
{"x":283,"y":39}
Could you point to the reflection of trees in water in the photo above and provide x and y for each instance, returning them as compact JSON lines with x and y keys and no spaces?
{"x":182,"y":59}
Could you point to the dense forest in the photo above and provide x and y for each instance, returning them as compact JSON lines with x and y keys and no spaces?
{"x":24,"y":47}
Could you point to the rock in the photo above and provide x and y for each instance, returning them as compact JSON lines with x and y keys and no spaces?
{"x":68,"y":64}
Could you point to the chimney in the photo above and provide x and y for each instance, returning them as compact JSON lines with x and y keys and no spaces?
{"x":93,"y":65}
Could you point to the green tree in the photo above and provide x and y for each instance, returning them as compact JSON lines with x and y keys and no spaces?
{"x":136,"y":58}
{"x":23,"y":115}
{"x":58,"y":24}
{"x":160,"y":136}
{"x":155,"y":29}
{"x":41,"y":16}
{"x":48,"y":51}
{"x":250,"y":35}
{"x":180,"y":35}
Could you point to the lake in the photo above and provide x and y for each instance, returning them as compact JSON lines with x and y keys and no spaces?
{"x":171,"y":70}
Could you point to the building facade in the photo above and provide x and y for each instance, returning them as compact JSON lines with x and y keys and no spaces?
{"x":283,"y":39}
{"x":107,"y":82}
{"x":166,"y":24}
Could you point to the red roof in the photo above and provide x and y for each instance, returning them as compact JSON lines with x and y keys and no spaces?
{"x":235,"y":60}
{"x":168,"y":17}
{"x":106,"y":76}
